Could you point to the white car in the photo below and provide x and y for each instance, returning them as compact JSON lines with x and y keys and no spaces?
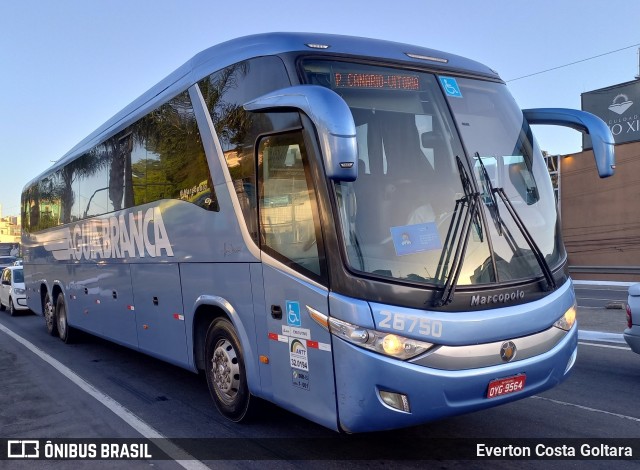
{"x":632,"y":332}
{"x":12,"y":293}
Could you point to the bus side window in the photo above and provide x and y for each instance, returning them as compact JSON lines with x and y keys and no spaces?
{"x":289,"y":221}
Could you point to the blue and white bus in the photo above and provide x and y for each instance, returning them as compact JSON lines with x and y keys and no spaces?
{"x":362,"y":232}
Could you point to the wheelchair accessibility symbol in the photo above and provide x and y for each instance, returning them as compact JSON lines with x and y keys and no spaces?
{"x":451,"y":87}
{"x":293,"y":313}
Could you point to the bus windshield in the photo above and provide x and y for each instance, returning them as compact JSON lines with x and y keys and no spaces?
{"x":403,"y":217}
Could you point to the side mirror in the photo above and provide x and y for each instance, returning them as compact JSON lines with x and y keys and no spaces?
{"x":601,"y":137}
{"x":332,"y":118}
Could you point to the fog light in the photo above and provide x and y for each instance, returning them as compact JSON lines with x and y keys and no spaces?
{"x":397,"y":401}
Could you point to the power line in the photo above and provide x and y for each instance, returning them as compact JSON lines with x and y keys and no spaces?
{"x":573,"y":63}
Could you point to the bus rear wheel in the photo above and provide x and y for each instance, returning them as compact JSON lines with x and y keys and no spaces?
{"x":64,"y":330}
{"x":225,"y":371}
{"x":48,"y":311}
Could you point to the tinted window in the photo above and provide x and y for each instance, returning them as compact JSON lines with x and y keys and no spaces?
{"x":289,"y":224}
{"x":27,"y":203}
{"x":159,"y":157}
{"x":225,"y":92}
{"x":162,"y":157}
{"x":7,"y":260}
{"x":48,"y":211}
{"x":93,"y":182}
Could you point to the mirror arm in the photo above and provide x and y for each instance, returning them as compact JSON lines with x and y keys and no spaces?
{"x":601,"y":138}
{"x":332,"y":118}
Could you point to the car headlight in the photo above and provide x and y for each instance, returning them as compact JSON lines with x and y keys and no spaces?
{"x":19,"y":291}
{"x":568,"y":319}
{"x":389,"y":344}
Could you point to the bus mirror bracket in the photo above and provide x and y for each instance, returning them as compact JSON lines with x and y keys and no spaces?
{"x":332,"y":118}
{"x":601,"y":138}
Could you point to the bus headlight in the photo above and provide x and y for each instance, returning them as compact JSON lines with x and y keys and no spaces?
{"x":568,"y":319}
{"x":389,"y":344}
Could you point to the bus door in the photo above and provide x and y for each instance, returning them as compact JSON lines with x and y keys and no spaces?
{"x":157,"y":294}
{"x":299,"y":350}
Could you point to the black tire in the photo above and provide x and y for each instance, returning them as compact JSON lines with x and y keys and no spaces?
{"x":12,"y":310}
{"x":65,"y":332}
{"x":226,"y":373}
{"x":49,"y":314}
{"x":2,"y":307}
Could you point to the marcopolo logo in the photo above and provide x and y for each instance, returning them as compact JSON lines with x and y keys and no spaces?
{"x":140,"y":234}
{"x":503,"y":298}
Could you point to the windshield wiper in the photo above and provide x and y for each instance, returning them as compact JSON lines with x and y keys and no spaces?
{"x":495,"y":215}
{"x":465,"y":214}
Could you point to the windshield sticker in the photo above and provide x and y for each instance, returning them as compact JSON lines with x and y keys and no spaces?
{"x":451,"y":87}
{"x":409,"y":239}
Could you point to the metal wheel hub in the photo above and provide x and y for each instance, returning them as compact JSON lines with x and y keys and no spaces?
{"x":62,"y":324}
{"x":48,"y":313}
{"x":226,"y":371}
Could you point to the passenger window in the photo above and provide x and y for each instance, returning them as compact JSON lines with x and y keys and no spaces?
{"x":289,"y":224}
{"x":225,"y":92}
{"x":167,"y":158}
{"x":93,"y":182}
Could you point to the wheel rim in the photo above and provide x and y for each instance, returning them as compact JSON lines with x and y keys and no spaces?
{"x":225,"y":370}
{"x":48,"y":314}
{"x":62,"y":322}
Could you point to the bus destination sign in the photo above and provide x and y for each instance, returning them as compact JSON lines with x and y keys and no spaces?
{"x":381,"y":81}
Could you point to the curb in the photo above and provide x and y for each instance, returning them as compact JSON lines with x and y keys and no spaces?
{"x":603,"y":283}
{"x":587,"y":335}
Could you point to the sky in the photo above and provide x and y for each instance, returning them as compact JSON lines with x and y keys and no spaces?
{"x":67,"y":66}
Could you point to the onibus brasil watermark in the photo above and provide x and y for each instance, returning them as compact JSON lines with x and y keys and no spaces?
{"x":47,"y":449}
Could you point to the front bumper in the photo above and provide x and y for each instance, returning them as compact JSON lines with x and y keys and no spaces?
{"x":20,"y":303}
{"x":433,"y":393}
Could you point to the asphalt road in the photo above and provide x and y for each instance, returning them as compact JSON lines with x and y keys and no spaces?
{"x":600,"y":296}
{"x":36,"y":400}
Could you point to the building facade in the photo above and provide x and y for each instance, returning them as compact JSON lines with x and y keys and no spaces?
{"x":601,"y":217}
{"x":10,"y":231}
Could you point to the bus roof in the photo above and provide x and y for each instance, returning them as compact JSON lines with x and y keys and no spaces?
{"x":227,"y":53}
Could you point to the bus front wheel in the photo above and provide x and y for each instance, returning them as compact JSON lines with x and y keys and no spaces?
{"x":225,"y":371}
{"x":49,"y":314}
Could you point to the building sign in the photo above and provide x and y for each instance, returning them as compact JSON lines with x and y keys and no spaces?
{"x":619,"y":107}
